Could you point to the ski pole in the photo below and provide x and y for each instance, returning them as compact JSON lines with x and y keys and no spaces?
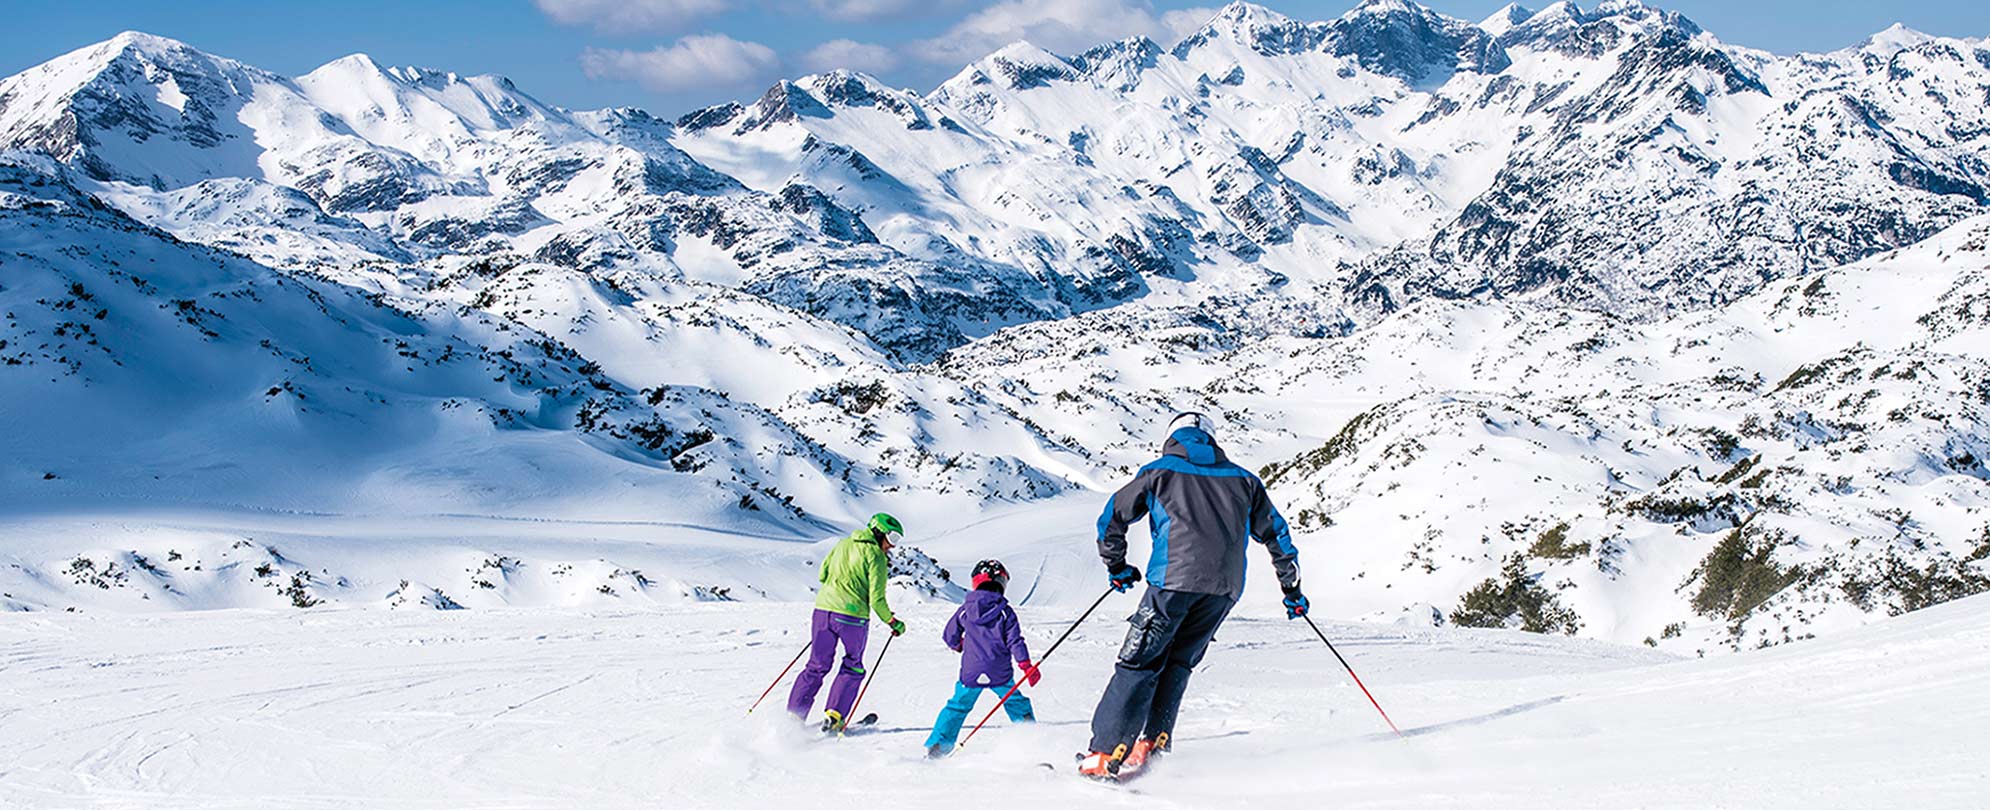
{"x":779,"y":678}
{"x":867,"y":684}
{"x":1039,"y":663}
{"x":1350,"y":673}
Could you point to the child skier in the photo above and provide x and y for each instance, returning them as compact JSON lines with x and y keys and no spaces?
{"x":853,"y":579}
{"x":986,"y":634}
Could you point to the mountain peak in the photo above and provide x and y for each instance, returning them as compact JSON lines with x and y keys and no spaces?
{"x":354,"y":62}
{"x":1025,"y":52}
{"x":1394,"y":12}
{"x":430,"y":77}
{"x":139,"y":45}
{"x":842,"y":87}
{"x":1624,"y":7}
{"x":1555,"y":20}
{"x":785,"y":101}
{"x":1119,"y":64}
{"x":1568,"y":29}
{"x":161,"y":106}
{"x":1506,"y":18}
{"x":359,"y":64}
{"x":1256,"y":27}
{"x":841,"y":77}
{"x":1896,"y":38}
{"x":1137,"y":48}
{"x":1023,"y":65}
{"x":1240,"y":12}
{"x":1562,"y":9}
{"x":1385,"y":7}
{"x":1413,"y":43}
{"x":147,"y":43}
{"x":361,"y":67}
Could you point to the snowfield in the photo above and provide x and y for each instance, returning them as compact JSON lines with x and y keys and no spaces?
{"x":1578,"y":320}
{"x":384,"y":436}
{"x":646,"y":708}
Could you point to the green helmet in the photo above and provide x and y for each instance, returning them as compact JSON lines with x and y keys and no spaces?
{"x":887,"y":527}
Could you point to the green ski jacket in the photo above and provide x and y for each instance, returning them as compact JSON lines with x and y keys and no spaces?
{"x":853,"y":578}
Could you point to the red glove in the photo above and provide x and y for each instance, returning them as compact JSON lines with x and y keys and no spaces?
{"x":1030,"y":672}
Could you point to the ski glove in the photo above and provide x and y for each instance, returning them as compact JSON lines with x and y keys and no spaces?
{"x":1125,"y":578}
{"x":1295,"y":604}
{"x":897,"y":627}
{"x":1030,"y":672}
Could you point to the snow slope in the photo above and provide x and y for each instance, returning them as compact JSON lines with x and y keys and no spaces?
{"x":1831,"y":428}
{"x":1631,"y":332}
{"x":615,"y":708}
{"x":384,"y":436}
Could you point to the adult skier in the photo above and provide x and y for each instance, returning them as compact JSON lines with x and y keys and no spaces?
{"x":853,"y":578}
{"x":1201,"y":510}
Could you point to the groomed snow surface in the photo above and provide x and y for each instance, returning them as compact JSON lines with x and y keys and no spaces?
{"x":598,"y":708}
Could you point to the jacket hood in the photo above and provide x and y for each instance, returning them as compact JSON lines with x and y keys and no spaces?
{"x":983,"y":608}
{"x":1195,"y":445}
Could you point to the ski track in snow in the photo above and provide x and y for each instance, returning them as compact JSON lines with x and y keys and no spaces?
{"x":546,"y":708}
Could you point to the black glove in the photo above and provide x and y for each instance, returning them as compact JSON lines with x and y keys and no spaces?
{"x":1124,"y":578}
{"x":1295,"y":603}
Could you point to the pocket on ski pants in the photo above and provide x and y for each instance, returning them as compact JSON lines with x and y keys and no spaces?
{"x":1147,"y":639}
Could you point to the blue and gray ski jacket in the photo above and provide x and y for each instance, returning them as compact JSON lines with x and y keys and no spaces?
{"x":1201,"y":510}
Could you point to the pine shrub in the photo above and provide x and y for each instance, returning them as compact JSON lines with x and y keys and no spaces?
{"x":1740,"y":574}
{"x":1516,"y":599}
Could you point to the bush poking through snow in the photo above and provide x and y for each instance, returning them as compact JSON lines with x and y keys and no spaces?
{"x":853,"y":398}
{"x":1518,"y":601}
{"x":420,"y":596}
{"x":1681,"y":509}
{"x":85,"y":571}
{"x":299,"y":590}
{"x":914,"y":569}
{"x":1740,"y":574}
{"x":1553,"y":544}
{"x":1342,"y":445}
{"x":1941,"y":579}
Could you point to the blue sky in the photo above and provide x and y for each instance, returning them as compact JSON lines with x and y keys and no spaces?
{"x":674,"y":55}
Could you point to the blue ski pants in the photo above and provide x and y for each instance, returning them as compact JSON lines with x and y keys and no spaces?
{"x":946,"y":728}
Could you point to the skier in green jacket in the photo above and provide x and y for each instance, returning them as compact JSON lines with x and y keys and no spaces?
{"x":853,"y":580}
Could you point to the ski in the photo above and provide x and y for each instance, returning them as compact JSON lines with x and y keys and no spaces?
{"x":1119,"y":780}
{"x":858,"y":726}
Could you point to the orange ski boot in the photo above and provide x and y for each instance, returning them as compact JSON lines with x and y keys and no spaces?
{"x":1144,"y":749}
{"x":1100,"y":765}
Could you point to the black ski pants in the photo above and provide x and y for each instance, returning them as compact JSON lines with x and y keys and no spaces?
{"x":1171,"y":630}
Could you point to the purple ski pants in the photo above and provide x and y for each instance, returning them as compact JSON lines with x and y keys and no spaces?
{"x":827,"y":630}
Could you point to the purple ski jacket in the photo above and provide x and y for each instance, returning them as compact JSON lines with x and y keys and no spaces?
{"x":986,"y":634}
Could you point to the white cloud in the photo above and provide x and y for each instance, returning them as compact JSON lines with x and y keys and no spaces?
{"x":865,"y":10}
{"x":864,"y":57}
{"x":611,"y":16}
{"x":695,"y":62}
{"x":1064,"y":26}
{"x":1185,"y":21}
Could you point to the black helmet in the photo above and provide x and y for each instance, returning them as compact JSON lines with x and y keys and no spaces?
{"x":991,"y":571}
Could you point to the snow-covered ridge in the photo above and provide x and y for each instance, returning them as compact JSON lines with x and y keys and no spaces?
{"x":1822,"y":438}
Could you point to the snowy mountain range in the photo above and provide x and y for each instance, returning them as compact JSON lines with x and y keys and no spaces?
{"x":1577,"y":320}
